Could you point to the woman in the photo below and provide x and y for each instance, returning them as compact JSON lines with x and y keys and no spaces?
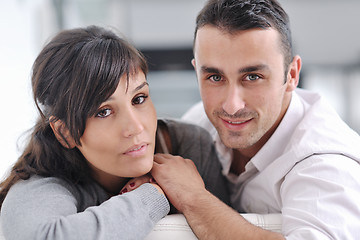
{"x":96,"y":131}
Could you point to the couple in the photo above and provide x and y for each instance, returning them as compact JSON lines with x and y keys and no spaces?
{"x":90,"y":172}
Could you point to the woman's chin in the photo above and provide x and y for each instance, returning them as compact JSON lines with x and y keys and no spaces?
{"x":142,"y":170}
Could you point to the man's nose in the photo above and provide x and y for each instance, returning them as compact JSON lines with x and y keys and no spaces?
{"x":234,"y":100}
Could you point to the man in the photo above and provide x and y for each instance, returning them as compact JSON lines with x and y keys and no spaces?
{"x":283,"y":149}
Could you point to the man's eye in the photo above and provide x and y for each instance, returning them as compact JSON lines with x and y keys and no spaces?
{"x":139,"y":100}
{"x":215,"y":78}
{"x":103,"y":113}
{"x":252,"y":77}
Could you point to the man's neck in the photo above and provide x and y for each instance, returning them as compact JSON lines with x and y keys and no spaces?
{"x":239,"y":162}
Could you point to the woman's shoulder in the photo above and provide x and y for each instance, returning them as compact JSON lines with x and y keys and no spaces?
{"x":187,"y":140}
{"x":39,"y":183}
{"x":46,"y":188}
{"x":28,"y":195}
{"x":37,"y":186}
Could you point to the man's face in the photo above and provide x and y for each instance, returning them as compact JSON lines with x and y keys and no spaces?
{"x":241,"y":78}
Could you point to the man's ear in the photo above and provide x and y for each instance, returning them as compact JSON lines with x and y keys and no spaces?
{"x":293,"y":74}
{"x":193,"y":63}
{"x":62,"y":133}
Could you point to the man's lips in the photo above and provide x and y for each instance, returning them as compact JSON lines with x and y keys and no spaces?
{"x":236,"y":124}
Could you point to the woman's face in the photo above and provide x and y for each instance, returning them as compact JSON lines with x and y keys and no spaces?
{"x":119,"y":140}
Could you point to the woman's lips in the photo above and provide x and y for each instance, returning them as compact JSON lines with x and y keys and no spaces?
{"x":137,"y":150}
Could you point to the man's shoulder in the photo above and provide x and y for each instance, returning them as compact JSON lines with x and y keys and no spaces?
{"x":195,"y":114}
{"x":321,"y":130}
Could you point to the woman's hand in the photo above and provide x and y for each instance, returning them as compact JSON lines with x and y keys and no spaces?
{"x":138,"y":181}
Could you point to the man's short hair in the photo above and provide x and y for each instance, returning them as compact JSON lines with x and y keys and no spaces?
{"x":235,"y":15}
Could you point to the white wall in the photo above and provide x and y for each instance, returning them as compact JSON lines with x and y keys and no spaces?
{"x":325,"y":32}
{"x":16,"y":56}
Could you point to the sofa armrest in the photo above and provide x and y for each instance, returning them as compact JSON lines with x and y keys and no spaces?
{"x":176,"y":227}
{"x":271,"y":222}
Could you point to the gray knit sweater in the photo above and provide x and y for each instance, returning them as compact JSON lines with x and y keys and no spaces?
{"x":51,"y":208}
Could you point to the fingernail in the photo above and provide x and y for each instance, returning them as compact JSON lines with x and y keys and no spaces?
{"x":123,"y":191}
{"x":132,"y":184}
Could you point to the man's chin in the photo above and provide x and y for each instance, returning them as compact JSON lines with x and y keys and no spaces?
{"x":235,"y":140}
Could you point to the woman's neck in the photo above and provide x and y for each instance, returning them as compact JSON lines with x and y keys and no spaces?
{"x":111,"y":183}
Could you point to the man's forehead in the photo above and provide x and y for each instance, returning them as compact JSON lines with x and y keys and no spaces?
{"x":210,"y":38}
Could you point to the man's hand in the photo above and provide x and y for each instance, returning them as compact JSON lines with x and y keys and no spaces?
{"x":205,"y":213}
{"x":179,"y":179}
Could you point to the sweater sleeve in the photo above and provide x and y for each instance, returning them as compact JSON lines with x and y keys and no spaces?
{"x":50,"y":211}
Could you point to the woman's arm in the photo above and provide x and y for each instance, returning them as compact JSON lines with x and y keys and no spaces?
{"x":44,"y":208}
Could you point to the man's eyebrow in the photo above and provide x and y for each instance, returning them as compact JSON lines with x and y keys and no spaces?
{"x":247,"y":69}
{"x":254,"y":68}
{"x":206,"y":69}
{"x":140,"y":87}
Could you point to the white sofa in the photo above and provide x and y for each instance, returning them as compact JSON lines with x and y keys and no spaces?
{"x":175,"y":226}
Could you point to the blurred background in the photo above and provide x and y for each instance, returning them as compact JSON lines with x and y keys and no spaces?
{"x":326,"y":34}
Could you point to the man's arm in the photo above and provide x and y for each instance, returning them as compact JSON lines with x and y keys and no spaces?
{"x":208,"y":217}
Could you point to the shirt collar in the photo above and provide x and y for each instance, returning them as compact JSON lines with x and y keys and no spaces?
{"x":225,"y":154}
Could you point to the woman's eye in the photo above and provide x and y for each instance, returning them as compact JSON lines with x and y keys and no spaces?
{"x":215,"y":78}
{"x":139,"y":100}
{"x":103,"y":113}
{"x":252,"y":77}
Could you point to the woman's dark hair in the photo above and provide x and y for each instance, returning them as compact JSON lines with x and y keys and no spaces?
{"x":73,"y":74}
{"x":235,"y":15}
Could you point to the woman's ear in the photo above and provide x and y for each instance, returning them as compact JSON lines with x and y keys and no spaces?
{"x":294,"y":73}
{"x":62,"y":133}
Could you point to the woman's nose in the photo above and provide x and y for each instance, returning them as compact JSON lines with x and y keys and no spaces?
{"x":132,"y":124}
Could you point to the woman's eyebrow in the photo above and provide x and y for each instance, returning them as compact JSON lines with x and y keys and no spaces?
{"x":133,"y":91}
{"x":140,"y":87}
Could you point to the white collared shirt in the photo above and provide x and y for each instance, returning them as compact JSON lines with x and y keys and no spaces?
{"x":308,"y":170}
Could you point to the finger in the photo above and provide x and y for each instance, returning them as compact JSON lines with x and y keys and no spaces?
{"x":159,"y":158}
{"x":154,"y":169}
{"x":152,"y":180}
{"x":130,"y":186}
{"x":164,"y":154}
{"x":163,"y":158}
{"x":123,"y":190}
{"x":135,"y":183}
